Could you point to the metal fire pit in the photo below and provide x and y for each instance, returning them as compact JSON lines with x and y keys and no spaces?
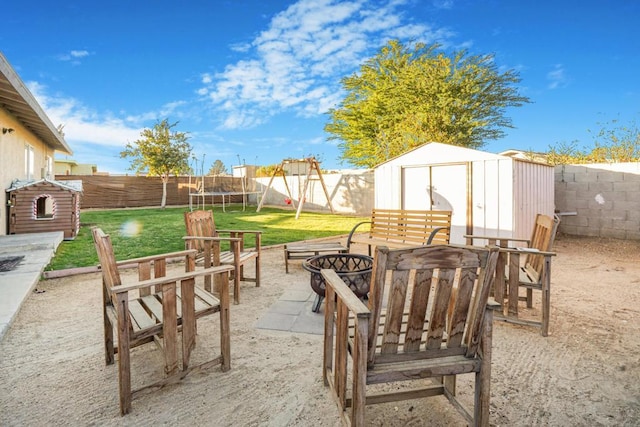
{"x":355,"y":270}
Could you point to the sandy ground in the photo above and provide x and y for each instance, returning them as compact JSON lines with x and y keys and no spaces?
{"x":586,"y":373}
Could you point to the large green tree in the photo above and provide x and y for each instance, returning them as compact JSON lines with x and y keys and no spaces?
{"x":160,"y":151}
{"x":405,"y":96}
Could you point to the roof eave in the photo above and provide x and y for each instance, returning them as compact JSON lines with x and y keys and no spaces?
{"x":18,"y":100}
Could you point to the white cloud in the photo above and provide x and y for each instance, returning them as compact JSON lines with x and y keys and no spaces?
{"x":443,"y":4}
{"x":79,"y":53}
{"x":297,"y":62}
{"x":557,"y":77}
{"x":82,"y":124}
{"x":73,"y":56}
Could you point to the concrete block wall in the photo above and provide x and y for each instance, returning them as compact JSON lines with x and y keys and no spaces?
{"x":604,"y":197}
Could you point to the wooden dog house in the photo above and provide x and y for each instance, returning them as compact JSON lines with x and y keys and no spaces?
{"x":43,"y":206}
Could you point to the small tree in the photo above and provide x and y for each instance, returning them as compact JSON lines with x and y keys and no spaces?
{"x":160,"y":151}
{"x":218,"y":168}
{"x":406,"y":96}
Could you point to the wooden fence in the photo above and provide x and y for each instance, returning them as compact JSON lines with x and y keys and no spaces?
{"x":108,"y":192}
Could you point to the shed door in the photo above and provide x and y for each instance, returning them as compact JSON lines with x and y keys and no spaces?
{"x":439,"y":187}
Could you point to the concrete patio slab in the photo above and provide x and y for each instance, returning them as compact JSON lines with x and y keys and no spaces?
{"x":16,"y":285}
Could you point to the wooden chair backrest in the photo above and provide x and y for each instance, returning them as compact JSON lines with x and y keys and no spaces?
{"x":104,"y":248}
{"x":200,"y":224}
{"x":544,"y":232}
{"x":446,"y":285}
{"x":108,"y":266}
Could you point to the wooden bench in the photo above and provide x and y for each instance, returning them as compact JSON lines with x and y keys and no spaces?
{"x":399,"y":228}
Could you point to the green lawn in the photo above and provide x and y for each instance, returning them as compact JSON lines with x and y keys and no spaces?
{"x":141,"y":232}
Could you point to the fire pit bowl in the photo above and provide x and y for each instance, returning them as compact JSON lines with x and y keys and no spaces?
{"x":354,"y":269}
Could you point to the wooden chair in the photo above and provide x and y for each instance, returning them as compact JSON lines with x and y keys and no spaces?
{"x":203,"y":236}
{"x":157,"y":307}
{"x":436,"y":325}
{"x":524,"y":264}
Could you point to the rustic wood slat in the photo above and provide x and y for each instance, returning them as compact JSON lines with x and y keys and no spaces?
{"x":457,"y":319}
{"x":199,"y":303}
{"x":144,"y":273}
{"x":141,"y":319}
{"x":170,"y":328}
{"x":438,"y":319}
{"x":124,"y":360}
{"x":395,"y":311}
{"x":418,"y":311}
{"x":208,"y":299}
{"x":340,"y":361}
{"x":153,"y":305}
{"x":187,"y":303}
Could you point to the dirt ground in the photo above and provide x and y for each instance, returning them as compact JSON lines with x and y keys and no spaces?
{"x":586,"y":373}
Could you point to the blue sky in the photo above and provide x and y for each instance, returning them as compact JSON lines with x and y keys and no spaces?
{"x":251,"y":80}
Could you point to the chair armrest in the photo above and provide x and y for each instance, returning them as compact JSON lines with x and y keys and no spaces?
{"x":434,"y":232}
{"x":155,"y":257}
{"x":344,"y":293}
{"x":528,"y":251}
{"x":353,"y":230}
{"x":171,"y":278}
{"x":213,"y":239}
{"x":257,"y":237}
{"x":509,"y":239}
{"x":240,"y":231}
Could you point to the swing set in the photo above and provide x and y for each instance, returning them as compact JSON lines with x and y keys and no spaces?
{"x":298,"y":167}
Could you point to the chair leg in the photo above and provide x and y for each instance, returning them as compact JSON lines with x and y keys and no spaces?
{"x":124,"y":361}
{"x":225,"y":334}
{"x":546,"y":297}
{"x":236,"y":282}
{"x":483,"y":377}
{"x":449,"y":383}
{"x":258,"y":271}
{"x":109,"y":351}
{"x":286,"y":261}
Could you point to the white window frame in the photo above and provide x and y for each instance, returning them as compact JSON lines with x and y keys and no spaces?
{"x":29,"y":161}
{"x":49,"y":167}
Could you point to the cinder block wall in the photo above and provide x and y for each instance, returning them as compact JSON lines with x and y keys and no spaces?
{"x":605,"y":198}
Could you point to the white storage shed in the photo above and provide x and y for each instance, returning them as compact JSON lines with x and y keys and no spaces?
{"x":489,"y":194}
